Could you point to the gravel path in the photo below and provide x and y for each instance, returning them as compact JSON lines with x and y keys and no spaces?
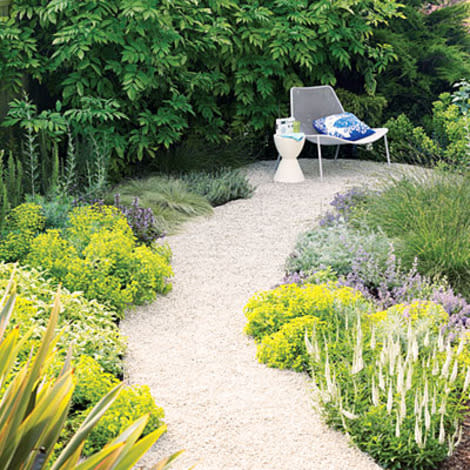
{"x":225,"y":409}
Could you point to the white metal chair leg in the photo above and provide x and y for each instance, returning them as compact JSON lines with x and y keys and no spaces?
{"x":337,"y":152}
{"x":319,"y":158}
{"x":386,"y":149}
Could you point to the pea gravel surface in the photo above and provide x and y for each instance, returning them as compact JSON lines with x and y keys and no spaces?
{"x":222,"y":406}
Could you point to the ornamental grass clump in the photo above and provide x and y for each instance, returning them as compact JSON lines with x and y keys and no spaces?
{"x":394,"y":381}
{"x":429,"y":218}
{"x":170,"y":199}
{"x":220,"y":186}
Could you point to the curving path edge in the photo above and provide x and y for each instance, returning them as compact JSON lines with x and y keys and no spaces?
{"x":227,"y":410}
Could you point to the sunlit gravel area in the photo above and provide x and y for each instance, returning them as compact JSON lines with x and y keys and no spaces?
{"x":222,"y":406}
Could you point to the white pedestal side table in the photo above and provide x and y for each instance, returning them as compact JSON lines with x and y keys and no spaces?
{"x":289,"y":170}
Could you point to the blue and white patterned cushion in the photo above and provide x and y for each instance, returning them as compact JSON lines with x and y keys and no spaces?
{"x":345,"y":126}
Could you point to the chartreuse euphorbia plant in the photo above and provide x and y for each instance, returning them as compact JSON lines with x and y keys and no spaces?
{"x":34,"y":407}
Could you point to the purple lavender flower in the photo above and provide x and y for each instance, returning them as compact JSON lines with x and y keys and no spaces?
{"x":140,"y":219}
{"x":343,"y":204}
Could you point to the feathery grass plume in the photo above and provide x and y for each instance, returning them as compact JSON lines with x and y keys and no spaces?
{"x":417,"y":408}
{"x":390,"y":398}
{"x":381,"y":378}
{"x":383,"y":354}
{"x":461,"y":345}
{"x":435,"y":363}
{"x":442,"y":432}
{"x":415,"y":349}
{"x":403,"y":406}
{"x":426,"y":340}
{"x":329,"y":384}
{"x":418,"y":432}
{"x":312,"y":346}
{"x":358,"y":362}
{"x":434,"y":402}
{"x":453,"y":374}
{"x":467,"y":379}
{"x":375,"y":393}
{"x":397,"y":426}
{"x":427,"y":417}
{"x":400,"y":375}
{"x":348,"y":414}
{"x":440,"y":341}
{"x":373,"y":341}
{"x":409,"y":377}
{"x":446,"y":365}
{"x":409,"y":334}
{"x":443,"y":407}
{"x":393,"y":352}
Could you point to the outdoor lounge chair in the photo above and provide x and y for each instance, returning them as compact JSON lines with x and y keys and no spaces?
{"x":310,"y":103}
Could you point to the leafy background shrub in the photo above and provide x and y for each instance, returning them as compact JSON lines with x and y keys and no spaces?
{"x":444,"y":140}
{"x":432,"y":54}
{"x":191,"y":84}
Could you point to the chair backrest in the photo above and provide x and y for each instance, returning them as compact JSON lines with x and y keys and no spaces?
{"x":310,"y":103}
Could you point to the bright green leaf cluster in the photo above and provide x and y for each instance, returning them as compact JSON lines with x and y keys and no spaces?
{"x":85,"y":325}
{"x":285,"y":349}
{"x":21,"y":226}
{"x":131,"y":403}
{"x":98,"y":255}
{"x":269,"y":313}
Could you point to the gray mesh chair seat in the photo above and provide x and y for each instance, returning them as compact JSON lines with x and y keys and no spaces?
{"x":310,"y":103}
